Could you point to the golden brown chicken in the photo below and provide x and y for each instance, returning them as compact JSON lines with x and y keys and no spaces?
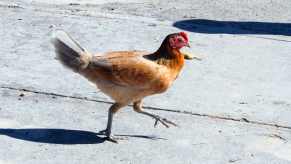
{"x":126,"y":76}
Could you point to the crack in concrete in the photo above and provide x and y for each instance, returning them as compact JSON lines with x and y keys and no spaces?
{"x":269,"y":38}
{"x":55,"y":94}
{"x":243,"y":120}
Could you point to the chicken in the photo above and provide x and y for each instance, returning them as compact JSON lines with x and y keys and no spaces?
{"x":126,"y":76}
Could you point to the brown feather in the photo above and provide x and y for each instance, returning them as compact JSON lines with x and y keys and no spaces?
{"x":129,"y":76}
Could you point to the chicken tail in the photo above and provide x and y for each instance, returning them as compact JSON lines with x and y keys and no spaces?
{"x":69,"y":52}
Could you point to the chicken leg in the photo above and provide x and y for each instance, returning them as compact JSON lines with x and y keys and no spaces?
{"x":107,"y":132}
{"x":137,"y":106}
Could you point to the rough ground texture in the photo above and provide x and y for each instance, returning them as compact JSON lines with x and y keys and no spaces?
{"x":234,"y":106}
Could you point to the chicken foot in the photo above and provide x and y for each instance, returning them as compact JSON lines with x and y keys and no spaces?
{"x":137,"y":106}
{"x":107,"y":132}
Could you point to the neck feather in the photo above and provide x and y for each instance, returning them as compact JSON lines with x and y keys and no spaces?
{"x":168,"y":56}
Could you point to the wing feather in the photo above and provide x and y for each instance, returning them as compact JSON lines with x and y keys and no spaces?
{"x":126,"y":69}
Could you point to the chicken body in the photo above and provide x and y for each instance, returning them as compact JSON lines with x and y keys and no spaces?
{"x":128,"y":76}
{"x":125,"y":76}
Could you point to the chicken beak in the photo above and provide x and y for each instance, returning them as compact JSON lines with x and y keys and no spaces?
{"x":188,"y":45}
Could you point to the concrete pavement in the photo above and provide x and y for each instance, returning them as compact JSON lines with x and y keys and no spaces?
{"x":232,"y":107}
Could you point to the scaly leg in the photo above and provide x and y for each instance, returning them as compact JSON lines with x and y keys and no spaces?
{"x":137,"y":106}
{"x":112,"y":110}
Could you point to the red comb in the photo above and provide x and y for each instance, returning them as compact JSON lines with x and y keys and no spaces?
{"x":184,"y":35}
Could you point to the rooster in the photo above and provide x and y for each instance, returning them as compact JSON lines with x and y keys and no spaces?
{"x":126,"y":76}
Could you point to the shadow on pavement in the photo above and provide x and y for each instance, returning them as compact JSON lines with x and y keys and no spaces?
{"x":54,"y":136}
{"x":234,"y":27}
{"x":141,"y":136}
{"x":64,"y":136}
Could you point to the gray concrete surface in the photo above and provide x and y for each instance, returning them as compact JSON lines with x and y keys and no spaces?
{"x":232,"y":107}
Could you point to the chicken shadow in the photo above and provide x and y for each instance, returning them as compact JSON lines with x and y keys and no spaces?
{"x":234,"y":27}
{"x":62,"y":136}
{"x":54,"y":136}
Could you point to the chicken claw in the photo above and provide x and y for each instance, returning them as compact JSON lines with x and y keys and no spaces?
{"x":164,"y":121}
{"x":158,"y":119}
{"x":137,"y":106}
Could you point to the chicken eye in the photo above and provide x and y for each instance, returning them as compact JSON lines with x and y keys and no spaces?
{"x":180,"y":40}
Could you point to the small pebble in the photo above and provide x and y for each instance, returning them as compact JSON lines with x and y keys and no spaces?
{"x":152,"y":24}
{"x":51,"y":26}
{"x":74,"y":4}
{"x":233,"y":160}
